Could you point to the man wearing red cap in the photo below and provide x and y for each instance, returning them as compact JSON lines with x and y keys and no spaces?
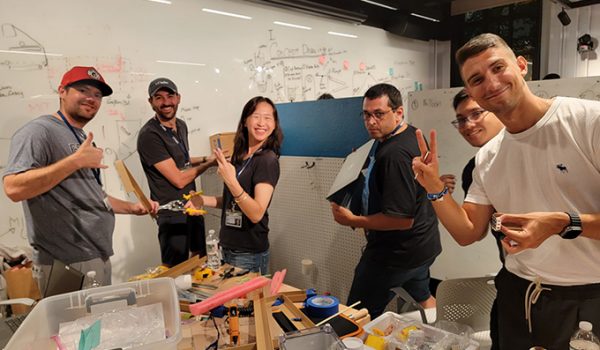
{"x":54,"y":168}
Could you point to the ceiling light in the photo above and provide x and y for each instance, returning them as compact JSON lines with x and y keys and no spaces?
{"x":217,"y":12}
{"x":32,"y":53}
{"x":292,"y":25}
{"x":424,"y":17}
{"x":379,"y":4}
{"x":343,"y":34}
{"x":184,"y":63}
{"x":167,"y":2}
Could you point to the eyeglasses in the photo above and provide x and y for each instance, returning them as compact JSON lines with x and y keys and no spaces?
{"x":378,"y":115}
{"x":473,"y":117}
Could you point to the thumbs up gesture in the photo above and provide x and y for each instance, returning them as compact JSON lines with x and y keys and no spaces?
{"x":88,"y":155}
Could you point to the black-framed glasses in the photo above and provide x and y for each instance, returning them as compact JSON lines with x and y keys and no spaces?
{"x":378,"y":115}
{"x":473,"y":117}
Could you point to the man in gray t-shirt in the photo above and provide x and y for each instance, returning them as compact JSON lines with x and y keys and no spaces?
{"x":54,"y":169}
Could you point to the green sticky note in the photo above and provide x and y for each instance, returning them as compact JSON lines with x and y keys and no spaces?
{"x":90,"y":337}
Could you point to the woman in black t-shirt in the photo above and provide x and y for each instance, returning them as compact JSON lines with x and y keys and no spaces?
{"x":250,"y":179}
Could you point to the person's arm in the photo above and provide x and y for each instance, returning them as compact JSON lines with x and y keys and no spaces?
{"x":180,"y":178}
{"x":204,"y":159}
{"x":529,"y":230}
{"x":125,"y":207}
{"x":197,"y":202}
{"x":466,"y":224}
{"x":33,"y":182}
{"x":253,"y":208}
{"x":378,"y":222}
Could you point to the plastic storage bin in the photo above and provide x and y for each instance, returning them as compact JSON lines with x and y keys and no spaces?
{"x":43,"y":321}
{"x":436,"y":338}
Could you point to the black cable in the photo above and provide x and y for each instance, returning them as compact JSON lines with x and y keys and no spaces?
{"x":214,"y":345}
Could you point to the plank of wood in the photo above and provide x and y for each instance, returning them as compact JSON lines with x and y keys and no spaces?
{"x":184,"y":267}
{"x":131,"y":185}
{"x":262,"y":313}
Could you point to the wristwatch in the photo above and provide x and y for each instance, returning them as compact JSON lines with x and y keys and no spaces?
{"x":573,"y":229}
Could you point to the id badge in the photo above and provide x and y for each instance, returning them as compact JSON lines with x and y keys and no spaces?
{"x":233,"y":218}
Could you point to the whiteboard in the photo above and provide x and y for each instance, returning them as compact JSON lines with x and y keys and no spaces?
{"x":433,"y":110}
{"x":226,"y":61}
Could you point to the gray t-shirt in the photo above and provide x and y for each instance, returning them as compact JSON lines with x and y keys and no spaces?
{"x":73,"y":221}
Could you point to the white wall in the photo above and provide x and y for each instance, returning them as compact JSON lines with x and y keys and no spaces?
{"x":125,"y":40}
{"x":559,"y":44}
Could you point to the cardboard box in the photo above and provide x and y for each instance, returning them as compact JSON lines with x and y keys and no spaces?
{"x":224,"y":141}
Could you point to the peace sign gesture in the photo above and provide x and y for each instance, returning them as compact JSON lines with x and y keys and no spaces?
{"x":426,"y":166}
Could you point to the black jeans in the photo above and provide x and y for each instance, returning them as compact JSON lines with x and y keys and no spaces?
{"x":554,"y":317}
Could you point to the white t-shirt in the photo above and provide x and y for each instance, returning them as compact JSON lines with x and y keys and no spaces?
{"x":552,"y":166}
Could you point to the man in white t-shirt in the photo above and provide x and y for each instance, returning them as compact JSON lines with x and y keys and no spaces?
{"x":542,"y":176}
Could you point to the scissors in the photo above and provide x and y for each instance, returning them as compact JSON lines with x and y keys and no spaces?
{"x":179,"y":205}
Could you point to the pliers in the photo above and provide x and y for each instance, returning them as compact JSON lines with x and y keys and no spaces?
{"x":179,"y":205}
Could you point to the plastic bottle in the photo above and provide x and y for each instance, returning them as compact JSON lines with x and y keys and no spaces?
{"x":584,"y":339}
{"x":91,"y":280}
{"x":213,"y":256}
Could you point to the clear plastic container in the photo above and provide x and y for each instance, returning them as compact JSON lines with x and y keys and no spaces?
{"x":43,"y":321}
{"x":397,"y":328}
{"x":584,"y":338}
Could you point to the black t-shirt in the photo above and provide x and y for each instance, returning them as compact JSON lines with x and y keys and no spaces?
{"x":394,"y":192}
{"x":263,"y":167}
{"x":467,"y":176}
{"x":154,"y":145}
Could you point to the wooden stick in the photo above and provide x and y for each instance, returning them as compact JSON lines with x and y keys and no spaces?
{"x":131,"y":185}
{"x":340,"y":312}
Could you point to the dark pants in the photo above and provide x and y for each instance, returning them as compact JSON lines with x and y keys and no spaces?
{"x":554,"y":317}
{"x":177,"y":240}
{"x":373,"y":281}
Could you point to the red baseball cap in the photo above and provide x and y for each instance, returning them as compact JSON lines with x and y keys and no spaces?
{"x":87,"y":75}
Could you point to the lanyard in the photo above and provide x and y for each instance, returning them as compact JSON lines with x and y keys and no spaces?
{"x":394,"y":131}
{"x":169,"y":131}
{"x":95,"y":171}
{"x":247,"y":161}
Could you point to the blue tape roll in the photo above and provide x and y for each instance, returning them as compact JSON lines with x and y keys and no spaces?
{"x":322,"y":306}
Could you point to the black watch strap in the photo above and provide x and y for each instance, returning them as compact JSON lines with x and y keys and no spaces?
{"x":574,"y":228}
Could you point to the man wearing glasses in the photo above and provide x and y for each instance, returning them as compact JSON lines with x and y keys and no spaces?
{"x":400,"y":225}
{"x":477,"y":126}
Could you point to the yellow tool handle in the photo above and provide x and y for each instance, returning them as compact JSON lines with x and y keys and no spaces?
{"x":195,"y":211}
{"x":187,"y":197}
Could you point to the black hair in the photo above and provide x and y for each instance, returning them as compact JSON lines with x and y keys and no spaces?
{"x":241,"y":136}
{"x":383,"y":89}
{"x":459,"y":98}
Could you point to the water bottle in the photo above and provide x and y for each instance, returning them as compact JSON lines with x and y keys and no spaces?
{"x":213,"y":256}
{"x":584,"y":339}
{"x":91,"y":280}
